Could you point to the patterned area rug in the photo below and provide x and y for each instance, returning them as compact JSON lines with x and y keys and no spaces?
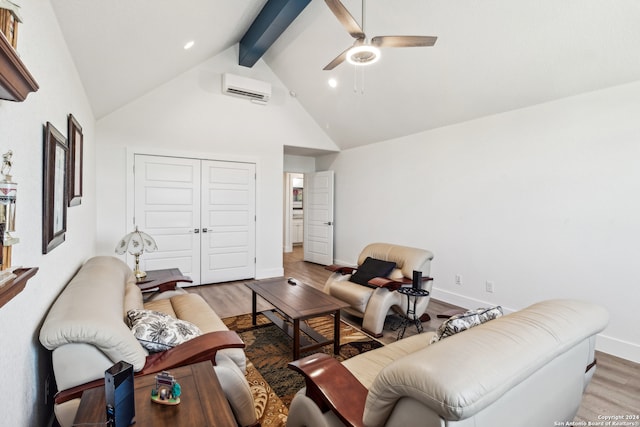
{"x":268,"y":351}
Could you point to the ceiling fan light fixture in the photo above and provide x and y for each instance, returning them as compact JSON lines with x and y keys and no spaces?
{"x":363,"y":55}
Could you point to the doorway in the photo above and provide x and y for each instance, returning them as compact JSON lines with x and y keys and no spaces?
{"x":201,"y":214}
{"x":308,"y":215}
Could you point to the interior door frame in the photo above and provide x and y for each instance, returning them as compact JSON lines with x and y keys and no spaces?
{"x":132,"y":151}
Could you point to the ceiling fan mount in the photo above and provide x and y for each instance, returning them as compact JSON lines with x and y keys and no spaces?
{"x":363,"y":51}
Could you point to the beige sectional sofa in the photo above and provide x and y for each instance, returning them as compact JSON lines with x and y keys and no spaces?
{"x":525,"y":369}
{"x":87,"y":331}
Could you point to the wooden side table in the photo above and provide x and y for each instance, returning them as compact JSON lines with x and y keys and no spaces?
{"x":202,"y":402}
{"x":161,"y":281}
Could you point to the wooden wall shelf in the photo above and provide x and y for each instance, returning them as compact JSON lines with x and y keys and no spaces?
{"x":15,"y":80}
{"x":13,"y":288}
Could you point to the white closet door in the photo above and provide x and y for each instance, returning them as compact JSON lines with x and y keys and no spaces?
{"x":318,"y":217}
{"x":228,"y":221}
{"x":167,"y":206}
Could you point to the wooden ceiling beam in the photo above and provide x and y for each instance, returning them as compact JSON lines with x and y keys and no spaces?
{"x":273,"y":19}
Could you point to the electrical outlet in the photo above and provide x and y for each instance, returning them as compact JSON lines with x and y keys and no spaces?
{"x":458,"y":280}
{"x":489,"y":286}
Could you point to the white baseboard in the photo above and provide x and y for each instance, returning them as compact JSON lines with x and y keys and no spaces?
{"x":463,"y":301}
{"x":624,"y":349}
{"x":269,"y":272}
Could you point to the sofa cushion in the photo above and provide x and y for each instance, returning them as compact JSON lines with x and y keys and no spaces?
{"x":132,"y":298}
{"x":157,"y":331}
{"x":406,"y":258}
{"x":90,"y":311}
{"x":463,"y":321}
{"x":370,"y":268}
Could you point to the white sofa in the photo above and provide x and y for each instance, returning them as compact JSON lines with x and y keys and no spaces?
{"x":525,"y":369}
{"x":374,"y":301}
{"x":87,"y":331}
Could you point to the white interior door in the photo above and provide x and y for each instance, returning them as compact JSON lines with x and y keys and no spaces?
{"x":318,"y":217}
{"x":167,"y":206}
{"x":228,"y":221}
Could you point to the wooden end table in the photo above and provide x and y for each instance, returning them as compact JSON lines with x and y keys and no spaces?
{"x":202,"y":402}
{"x":298,"y":302}
{"x":160,"y":281}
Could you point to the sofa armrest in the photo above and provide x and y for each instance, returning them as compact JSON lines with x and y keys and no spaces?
{"x":332,"y":386}
{"x":198,"y":349}
{"x":340,"y":269}
{"x":393,"y":285}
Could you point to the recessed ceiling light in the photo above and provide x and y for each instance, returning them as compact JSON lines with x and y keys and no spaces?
{"x":332,"y":82}
{"x":189,"y":45}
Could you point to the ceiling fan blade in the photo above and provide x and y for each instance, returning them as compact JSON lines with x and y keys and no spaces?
{"x":403,"y":41}
{"x":345,"y":18}
{"x":337,"y":60}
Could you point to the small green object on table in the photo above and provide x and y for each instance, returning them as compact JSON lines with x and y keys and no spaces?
{"x":167,"y":391}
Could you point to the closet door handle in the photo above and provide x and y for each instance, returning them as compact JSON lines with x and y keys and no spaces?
{"x":204,"y":230}
{"x":196,"y":230}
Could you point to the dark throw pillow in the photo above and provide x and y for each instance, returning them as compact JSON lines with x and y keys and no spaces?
{"x":371,"y":268}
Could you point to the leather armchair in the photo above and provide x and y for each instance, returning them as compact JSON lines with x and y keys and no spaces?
{"x":374,"y":301}
{"x":525,"y":369}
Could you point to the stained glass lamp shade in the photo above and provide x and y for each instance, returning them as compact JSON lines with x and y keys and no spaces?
{"x":136,"y":243}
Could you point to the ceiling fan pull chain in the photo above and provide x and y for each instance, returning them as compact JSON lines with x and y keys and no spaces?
{"x":355,"y":79}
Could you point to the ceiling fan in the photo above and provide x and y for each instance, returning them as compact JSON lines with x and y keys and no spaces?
{"x":363,"y":51}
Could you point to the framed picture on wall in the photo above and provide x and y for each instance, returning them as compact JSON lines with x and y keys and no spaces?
{"x":54,"y":197}
{"x":74,"y":178}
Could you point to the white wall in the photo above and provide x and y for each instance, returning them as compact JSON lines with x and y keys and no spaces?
{"x":300,"y":164}
{"x":542,"y":201}
{"x":190,"y":116}
{"x":23,"y":359}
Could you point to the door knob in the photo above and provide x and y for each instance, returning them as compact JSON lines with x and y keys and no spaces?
{"x":204,"y":230}
{"x":328,"y":223}
{"x":196,"y":230}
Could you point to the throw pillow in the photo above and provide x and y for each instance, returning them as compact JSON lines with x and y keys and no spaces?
{"x":158,"y":331}
{"x":371,"y":268}
{"x":468,"y":319}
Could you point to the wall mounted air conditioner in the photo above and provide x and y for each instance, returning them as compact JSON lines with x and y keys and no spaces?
{"x":245,"y":87}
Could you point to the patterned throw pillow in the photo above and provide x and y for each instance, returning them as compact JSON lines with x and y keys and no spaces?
{"x":158,"y":331}
{"x":463,"y":321}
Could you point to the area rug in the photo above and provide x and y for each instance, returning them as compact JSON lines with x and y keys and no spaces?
{"x":268,"y":351}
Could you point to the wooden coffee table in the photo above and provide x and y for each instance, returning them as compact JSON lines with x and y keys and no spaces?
{"x":203,"y":402}
{"x":296,"y":303}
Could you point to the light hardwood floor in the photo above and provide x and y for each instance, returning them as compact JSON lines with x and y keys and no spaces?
{"x":613,"y":391}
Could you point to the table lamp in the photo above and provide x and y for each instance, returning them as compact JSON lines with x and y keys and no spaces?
{"x":136,"y":243}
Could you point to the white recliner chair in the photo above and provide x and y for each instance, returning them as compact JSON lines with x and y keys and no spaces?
{"x":375,"y":296}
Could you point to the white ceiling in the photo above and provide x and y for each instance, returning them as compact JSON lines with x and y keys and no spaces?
{"x":491,"y":55}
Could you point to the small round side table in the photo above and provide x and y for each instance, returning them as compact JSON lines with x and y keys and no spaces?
{"x":411,"y":293}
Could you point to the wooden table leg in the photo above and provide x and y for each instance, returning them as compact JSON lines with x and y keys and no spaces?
{"x":254,"y":306}
{"x":296,"y":339}
{"x":336,"y":332}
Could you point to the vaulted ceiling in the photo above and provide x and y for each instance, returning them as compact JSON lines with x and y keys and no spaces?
{"x":491,"y":56}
